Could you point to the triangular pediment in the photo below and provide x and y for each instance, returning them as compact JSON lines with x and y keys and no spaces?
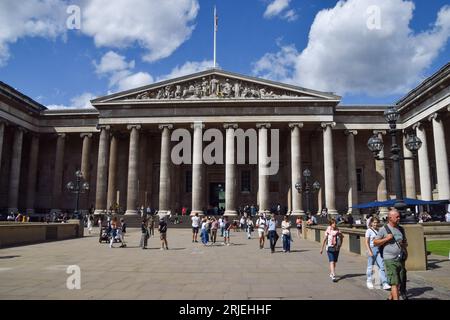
{"x":216,"y":85}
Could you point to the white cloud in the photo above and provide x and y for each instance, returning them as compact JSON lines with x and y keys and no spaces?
{"x":33,"y":18}
{"x":278,"y":8}
{"x":343,"y":55}
{"x":188,"y":68}
{"x":119,"y":71}
{"x":158,"y":26}
{"x":82,"y":101}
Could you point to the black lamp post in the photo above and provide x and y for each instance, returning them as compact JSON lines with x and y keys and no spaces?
{"x":78,"y":187}
{"x":306,"y":188}
{"x":412,"y":143}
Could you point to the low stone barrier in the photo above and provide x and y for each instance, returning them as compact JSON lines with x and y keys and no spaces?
{"x":17,"y":234}
{"x":354,"y":241}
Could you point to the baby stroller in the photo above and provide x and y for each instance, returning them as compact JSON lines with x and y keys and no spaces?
{"x":104,"y":235}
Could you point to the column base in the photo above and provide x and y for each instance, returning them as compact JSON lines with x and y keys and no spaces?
{"x":200,"y":213}
{"x":297,"y":213}
{"x":332,"y":212}
{"x":13,"y":210}
{"x":230,"y":213}
{"x":266,"y":212}
{"x":30,"y":211}
{"x":131,"y":213}
{"x":98,"y":212}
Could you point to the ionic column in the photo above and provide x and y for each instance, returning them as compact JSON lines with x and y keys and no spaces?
{"x":14,"y":178}
{"x":164,"y":171}
{"x":86,"y":154}
{"x":2,"y":134}
{"x":328,"y":163}
{"x":380,"y":168}
{"x":441,"y":157}
{"x":263,"y":168}
{"x":424,"y":164}
{"x":230,"y":171}
{"x":32,"y":170}
{"x":58,"y":173}
{"x":296,"y":168}
{"x":410,"y":180}
{"x":102,"y":169}
{"x":112,"y":172}
{"x":133,"y":167}
{"x":351,"y":172}
{"x":197,"y":170}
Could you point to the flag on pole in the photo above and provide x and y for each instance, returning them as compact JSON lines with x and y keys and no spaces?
{"x":216,"y":20}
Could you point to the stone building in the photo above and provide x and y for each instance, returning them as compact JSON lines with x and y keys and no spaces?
{"x":124,"y":145}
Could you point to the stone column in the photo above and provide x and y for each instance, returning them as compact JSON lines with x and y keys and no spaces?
{"x":424,"y":165}
{"x":58,"y":173}
{"x":296,"y":169}
{"x":197,"y":170}
{"x":14,"y":177}
{"x":2,"y":134}
{"x":32,"y":171}
{"x":441,"y":157}
{"x":328,"y":162}
{"x":230,"y":171}
{"x":410,"y":177}
{"x":102,"y":170}
{"x":133,"y":170}
{"x":263,"y":177}
{"x":112,"y":172}
{"x":164,"y":171}
{"x":351,"y":172}
{"x":380,"y":168}
{"x":86,"y":155}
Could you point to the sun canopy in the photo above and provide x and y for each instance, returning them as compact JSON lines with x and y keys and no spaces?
{"x":391,"y":203}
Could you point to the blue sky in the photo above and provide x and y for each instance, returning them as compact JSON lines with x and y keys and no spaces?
{"x":368,"y":51}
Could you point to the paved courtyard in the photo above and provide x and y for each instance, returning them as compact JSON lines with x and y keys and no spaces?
{"x":192,"y":271}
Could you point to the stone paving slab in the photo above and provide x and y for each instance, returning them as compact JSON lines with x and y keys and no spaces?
{"x":190,"y":271}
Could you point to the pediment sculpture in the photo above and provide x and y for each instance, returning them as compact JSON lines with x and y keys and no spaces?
{"x":214,"y":87}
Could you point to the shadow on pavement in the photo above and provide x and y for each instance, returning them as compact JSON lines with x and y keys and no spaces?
{"x":8,"y":257}
{"x":415,"y":292}
{"x":347,"y":276}
{"x":434,"y":263}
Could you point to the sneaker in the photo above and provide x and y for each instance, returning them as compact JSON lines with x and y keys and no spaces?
{"x":403,"y":296}
{"x":228,"y":244}
{"x":369,"y":285}
{"x":386,"y":286}
{"x":333,"y":278}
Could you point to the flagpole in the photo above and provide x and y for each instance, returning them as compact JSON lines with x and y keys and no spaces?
{"x":215,"y":35}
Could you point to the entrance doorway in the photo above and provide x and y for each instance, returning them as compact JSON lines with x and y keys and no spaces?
{"x":217,"y":195}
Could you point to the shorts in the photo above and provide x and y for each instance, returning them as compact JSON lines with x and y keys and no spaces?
{"x":226,"y":234}
{"x":395,"y":272}
{"x":194,"y":229}
{"x":163,"y":236}
{"x":260,"y":233}
{"x":333,"y":256}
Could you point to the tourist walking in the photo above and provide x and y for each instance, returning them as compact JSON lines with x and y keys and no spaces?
{"x":204,"y":231}
{"x":394,"y":243}
{"x":273,"y":235}
{"x":333,"y":241}
{"x":221,"y":226}
{"x":162,"y":228}
{"x":261,"y":224}
{"x":214,"y":227}
{"x":250,"y":227}
{"x":144,"y":234}
{"x":286,"y":234}
{"x":151,"y":226}
{"x":374,"y":255}
{"x":113,"y":231}
{"x":298,"y":225}
{"x":226,"y":231}
{"x":195,"y":225}
{"x":90,"y":220}
{"x":123,"y":231}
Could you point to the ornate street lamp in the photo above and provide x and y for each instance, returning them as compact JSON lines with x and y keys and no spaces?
{"x":412,"y":143}
{"x":306,"y":188}
{"x":78,"y":187}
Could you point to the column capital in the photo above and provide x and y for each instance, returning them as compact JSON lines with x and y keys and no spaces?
{"x":377,"y":132}
{"x":134,"y":126}
{"x":197,"y":125}
{"x":82,"y":135}
{"x":349,"y":132}
{"x":324,"y":125}
{"x":230,"y":125}
{"x":435,"y":116}
{"x":163,"y":126}
{"x":418,"y":125}
{"x":3,"y":121}
{"x":296,"y":124}
{"x":61,"y":135}
{"x":103,"y":127}
{"x":263,"y":125}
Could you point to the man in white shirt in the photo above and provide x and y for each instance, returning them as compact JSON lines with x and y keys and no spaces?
{"x":447,"y":217}
{"x":261,"y":224}
{"x":195,"y":225}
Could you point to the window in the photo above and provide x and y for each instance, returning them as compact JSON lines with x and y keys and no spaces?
{"x":245,"y":181}
{"x":359,"y":179}
{"x":188,"y":185}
